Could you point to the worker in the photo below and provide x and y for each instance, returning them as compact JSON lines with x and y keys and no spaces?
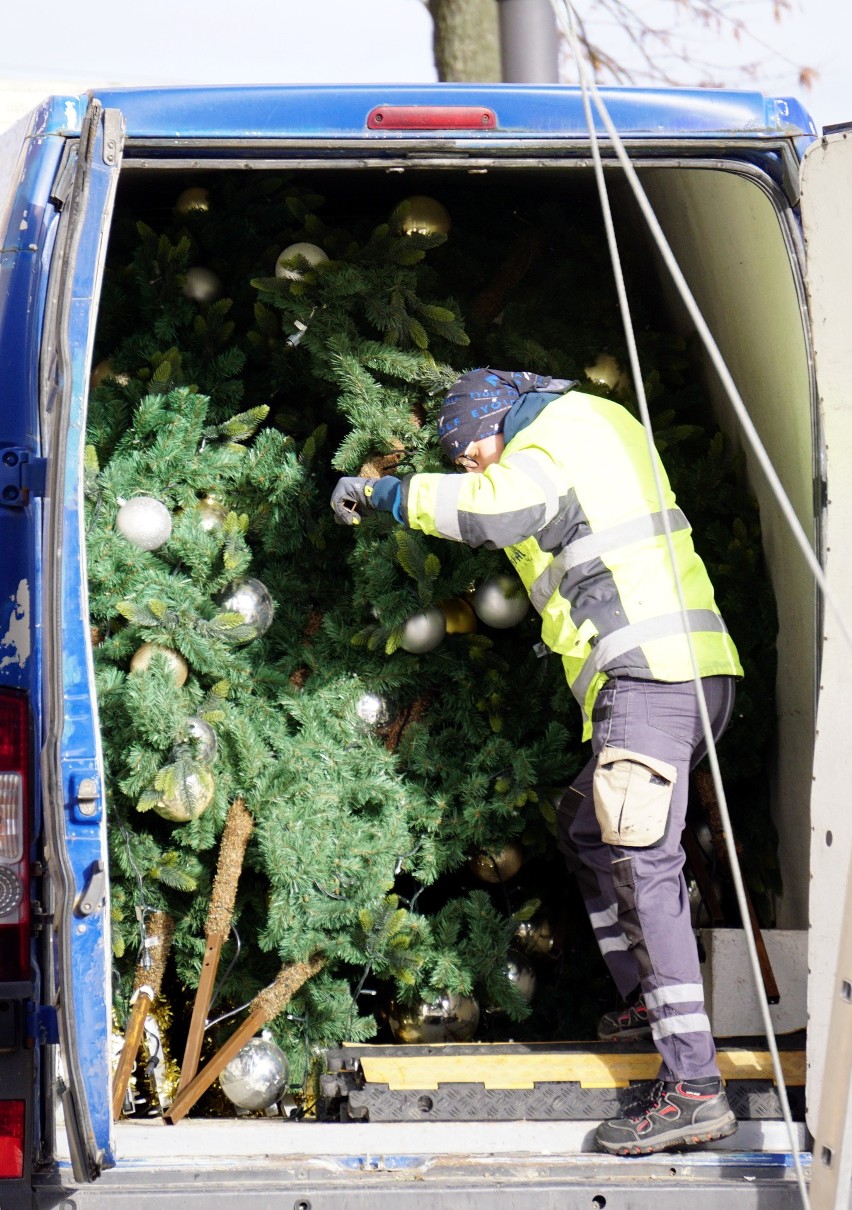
{"x":563,"y":481}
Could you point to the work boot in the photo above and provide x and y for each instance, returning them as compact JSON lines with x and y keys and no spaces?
{"x":675,"y":1114}
{"x":628,"y":1025}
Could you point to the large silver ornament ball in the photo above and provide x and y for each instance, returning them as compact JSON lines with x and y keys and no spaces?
{"x":188,"y":799}
{"x":423,"y":631}
{"x":257,"y":1076}
{"x":178,"y":665}
{"x":201,"y":741}
{"x":501,"y":602}
{"x":447,"y":1019}
{"x":519,"y":971}
{"x":251,"y":600}
{"x":287,"y":264}
{"x":202,"y":285}
{"x":420,"y":215}
{"x":145,"y":522}
{"x":374,"y":710}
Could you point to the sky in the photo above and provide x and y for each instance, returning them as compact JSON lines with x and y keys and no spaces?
{"x":317,"y":41}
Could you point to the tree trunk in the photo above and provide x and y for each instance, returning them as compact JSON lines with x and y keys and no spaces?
{"x":466,"y":39}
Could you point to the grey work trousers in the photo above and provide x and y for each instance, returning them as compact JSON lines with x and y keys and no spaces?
{"x":636,"y":897}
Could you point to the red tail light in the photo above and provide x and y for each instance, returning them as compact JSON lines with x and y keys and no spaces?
{"x":14,"y":839}
{"x":12,"y":1125}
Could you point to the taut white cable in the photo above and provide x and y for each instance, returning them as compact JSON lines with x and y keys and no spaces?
{"x":564,"y":8}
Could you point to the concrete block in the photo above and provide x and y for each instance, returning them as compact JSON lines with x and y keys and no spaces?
{"x":730,"y":996}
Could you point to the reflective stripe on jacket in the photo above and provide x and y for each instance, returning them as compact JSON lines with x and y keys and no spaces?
{"x":573,"y":501}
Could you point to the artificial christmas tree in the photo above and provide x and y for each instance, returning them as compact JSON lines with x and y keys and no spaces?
{"x":325,"y":349}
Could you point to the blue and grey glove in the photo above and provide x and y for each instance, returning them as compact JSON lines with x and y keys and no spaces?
{"x":353,"y":497}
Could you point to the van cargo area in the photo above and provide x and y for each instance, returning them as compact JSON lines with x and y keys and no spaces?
{"x":164,"y":283}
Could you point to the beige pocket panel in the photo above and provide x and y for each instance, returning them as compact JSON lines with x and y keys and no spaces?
{"x":633,"y":793}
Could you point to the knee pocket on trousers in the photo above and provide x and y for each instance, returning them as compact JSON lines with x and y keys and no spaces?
{"x":633,"y":794}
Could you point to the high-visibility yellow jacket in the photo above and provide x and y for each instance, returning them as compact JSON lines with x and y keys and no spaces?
{"x":574,"y":503}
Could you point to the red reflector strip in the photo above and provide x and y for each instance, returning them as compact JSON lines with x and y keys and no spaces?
{"x":431,"y":117}
{"x":12,"y":1122}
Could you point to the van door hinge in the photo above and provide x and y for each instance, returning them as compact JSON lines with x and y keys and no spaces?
{"x":43,"y":1024}
{"x":21,"y":475}
{"x":93,"y":895}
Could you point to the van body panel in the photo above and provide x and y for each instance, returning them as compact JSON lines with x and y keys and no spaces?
{"x":722,"y":174}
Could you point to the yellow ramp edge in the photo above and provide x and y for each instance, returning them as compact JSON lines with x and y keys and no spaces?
{"x":427,"y":1072}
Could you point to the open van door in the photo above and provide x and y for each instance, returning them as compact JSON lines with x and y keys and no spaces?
{"x":825,"y":203}
{"x":72,"y":768}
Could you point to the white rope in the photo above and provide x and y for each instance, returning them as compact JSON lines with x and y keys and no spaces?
{"x":588,"y":86}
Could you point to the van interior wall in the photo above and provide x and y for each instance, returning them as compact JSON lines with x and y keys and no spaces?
{"x":729,"y":239}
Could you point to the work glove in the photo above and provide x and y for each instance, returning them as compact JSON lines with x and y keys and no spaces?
{"x":351,"y":499}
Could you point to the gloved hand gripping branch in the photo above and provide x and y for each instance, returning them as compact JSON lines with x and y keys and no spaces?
{"x":353,"y":497}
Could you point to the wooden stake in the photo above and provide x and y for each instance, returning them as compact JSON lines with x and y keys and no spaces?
{"x":266,"y":1005}
{"x":235,"y":837}
{"x":159,"y":929}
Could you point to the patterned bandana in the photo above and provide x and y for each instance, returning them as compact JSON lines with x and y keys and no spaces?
{"x":476,"y":405}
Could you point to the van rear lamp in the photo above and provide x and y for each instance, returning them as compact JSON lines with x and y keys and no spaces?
{"x":11,"y":816}
{"x":15,"y":757}
{"x":12,"y":1126}
{"x":11,"y":891}
{"x":431,"y":117}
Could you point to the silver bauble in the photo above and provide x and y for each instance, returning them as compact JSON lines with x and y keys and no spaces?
{"x":447,"y":1019}
{"x":145,"y":522}
{"x":178,"y":665}
{"x":423,"y":631}
{"x":420,"y":215}
{"x":256,"y":1077}
{"x":497,"y":865}
{"x":201,"y":741}
{"x":202,"y":285}
{"x":534,"y":936}
{"x":189,"y":799}
{"x":501,"y":602}
{"x":251,"y":600}
{"x":287,"y":265}
{"x":374,"y":710}
{"x":521,"y":974}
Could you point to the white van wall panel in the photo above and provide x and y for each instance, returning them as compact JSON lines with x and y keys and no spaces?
{"x":826,"y":189}
{"x":727,"y":238}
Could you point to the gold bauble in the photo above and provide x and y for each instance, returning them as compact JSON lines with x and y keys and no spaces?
{"x":211,"y":513}
{"x":534,"y":936}
{"x":497,"y":865}
{"x":193,"y":201}
{"x":419,"y":215}
{"x":605,"y":371}
{"x":460,"y":616}
{"x":178,"y":665}
{"x":191,"y":800}
{"x":104,"y":371}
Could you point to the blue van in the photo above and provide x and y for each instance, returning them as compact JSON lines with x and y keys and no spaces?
{"x":752,"y":203}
